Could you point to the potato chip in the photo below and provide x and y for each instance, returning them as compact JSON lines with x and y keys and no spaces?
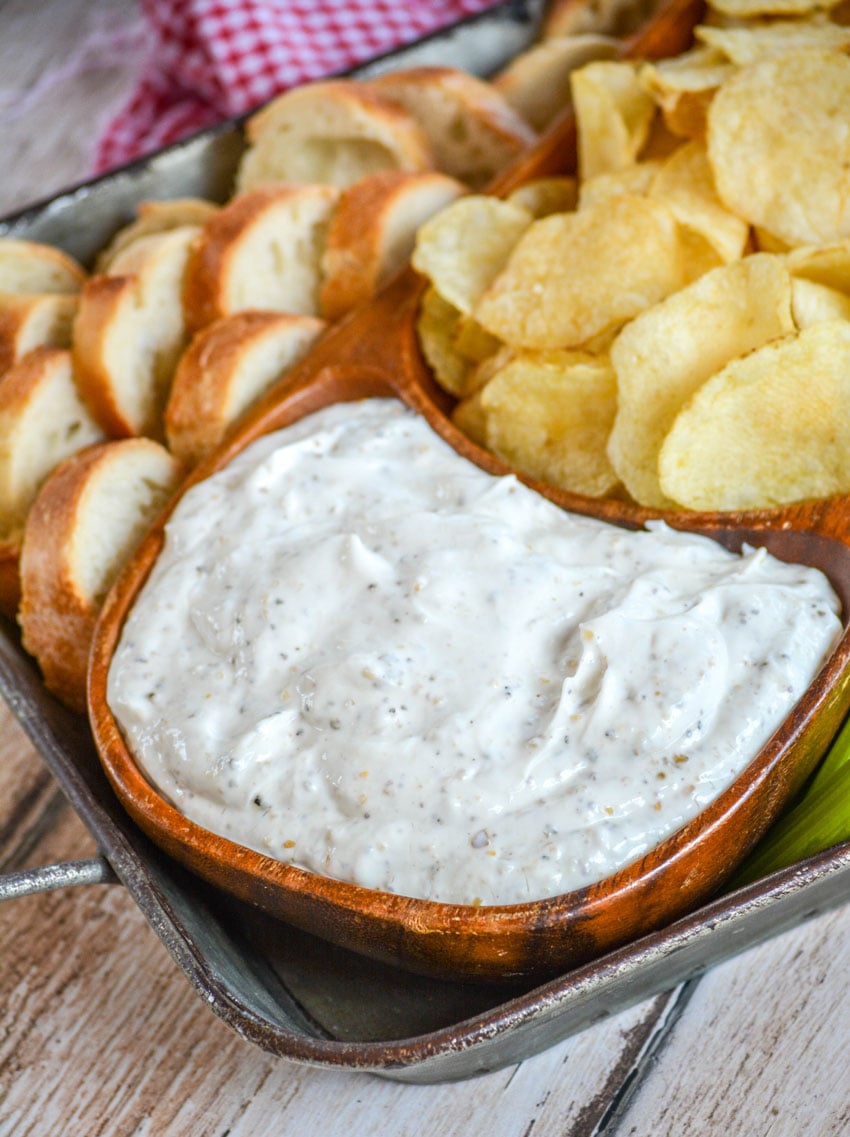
{"x":779,"y":145}
{"x":436,"y":327}
{"x":462,"y":248}
{"x":765,"y":242}
{"x":483,"y":372}
{"x":746,"y":9}
{"x":472,"y":342}
{"x":613,"y":116}
{"x":454,"y":346}
{"x":666,"y":354}
{"x":811,"y":303}
{"x":574,"y":275}
{"x":685,"y":182}
{"x":825,"y":264}
{"x":762,"y":38}
{"x":600,"y":344}
{"x":470,"y":418}
{"x":633,"y":179}
{"x":699,"y":256}
{"x":661,"y":141}
{"x":549,"y":414}
{"x":684,"y":86}
{"x":749,"y":440}
{"x":542,"y":196}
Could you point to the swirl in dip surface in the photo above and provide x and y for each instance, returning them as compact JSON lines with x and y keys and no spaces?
{"x":361,"y":654}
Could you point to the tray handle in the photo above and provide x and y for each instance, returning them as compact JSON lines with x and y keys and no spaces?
{"x":65,"y":874}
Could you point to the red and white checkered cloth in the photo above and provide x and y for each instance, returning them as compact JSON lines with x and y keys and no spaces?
{"x":212,"y":59}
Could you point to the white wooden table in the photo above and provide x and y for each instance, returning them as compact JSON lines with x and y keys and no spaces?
{"x":100,"y":1034}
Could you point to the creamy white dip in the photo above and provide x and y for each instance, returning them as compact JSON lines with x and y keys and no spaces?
{"x":363,"y":655}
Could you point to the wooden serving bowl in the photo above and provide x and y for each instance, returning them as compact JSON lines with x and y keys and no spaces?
{"x":375,"y":352}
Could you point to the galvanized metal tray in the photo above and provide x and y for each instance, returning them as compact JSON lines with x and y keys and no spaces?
{"x":292,"y":995}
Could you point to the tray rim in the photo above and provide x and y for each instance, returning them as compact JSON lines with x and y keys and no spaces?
{"x":390,"y":1057}
{"x":452,"y":1051}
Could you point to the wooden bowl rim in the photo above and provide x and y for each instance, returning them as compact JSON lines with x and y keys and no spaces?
{"x":160,"y":817}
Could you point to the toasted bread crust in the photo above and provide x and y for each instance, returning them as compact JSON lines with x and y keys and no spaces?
{"x":207,"y":395}
{"x":474,"y":132}
{"x":29,"y":321}
{"x":537,"y":82}
{"x":345,"y":112}
{"x":10,"y":577}
{"x":104,"y":299}
{"x":155,"y":217}
{"x":213,"y":269}
{"x":129,"y":333}
{"x":42,"y":420}
{"x":32,"y":267}
{"x":17,"y":384}
{"x":56,"y":614}
{"x":606,"y":17}
{"x":56,"y":624}
{"x":372,"y":231}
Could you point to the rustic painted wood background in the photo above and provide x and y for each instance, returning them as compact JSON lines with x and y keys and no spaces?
{"x":101,"y":1035}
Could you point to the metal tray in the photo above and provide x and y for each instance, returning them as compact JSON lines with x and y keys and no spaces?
{"x":293,"y":996}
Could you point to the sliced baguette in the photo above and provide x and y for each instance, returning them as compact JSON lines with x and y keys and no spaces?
{"x":32,"y":267}
{"x":261,"y":251}
{"x":225,"y":368}
{"x":473,"y":130}
{"x":155,"y":217}
{"x":42,"y":420}
{"x":86,"y":520}
{"x":335,"y":131}
{"x":30,"y":321}
{"x":129,"y":333}
{"x":372,"y":232}
{"x":604,"y":17}
{"x":537,"y":82}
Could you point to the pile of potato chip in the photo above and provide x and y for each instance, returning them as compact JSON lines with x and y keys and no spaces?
{"x":672,"y":324}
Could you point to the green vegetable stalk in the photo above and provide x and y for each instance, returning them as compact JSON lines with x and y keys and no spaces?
{"x":820,"y":819}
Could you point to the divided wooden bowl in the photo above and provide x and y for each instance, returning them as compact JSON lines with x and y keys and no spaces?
{"x":375,"y":352}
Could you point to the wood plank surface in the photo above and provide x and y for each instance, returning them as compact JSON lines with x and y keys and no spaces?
{"x":101,"y":1035}
{"x":66,"y":67}
{"x":762,"y":1046}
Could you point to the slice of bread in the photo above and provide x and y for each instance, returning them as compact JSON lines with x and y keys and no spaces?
{"x":372,"y":231}
{"x":334,"y":131}
{"x":129,"y":333}
{"x":225,"y":368}
{"x":537,"y":82}
{"x":473,"y":130}
{"x":42,"y":420}
{"x":29,"y":266}
{"x":88,"y":517}
{"x":261,"y":251}
{"x":29,"y":321}
{"x":155,"y":217}
{"x":605,"y":17}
